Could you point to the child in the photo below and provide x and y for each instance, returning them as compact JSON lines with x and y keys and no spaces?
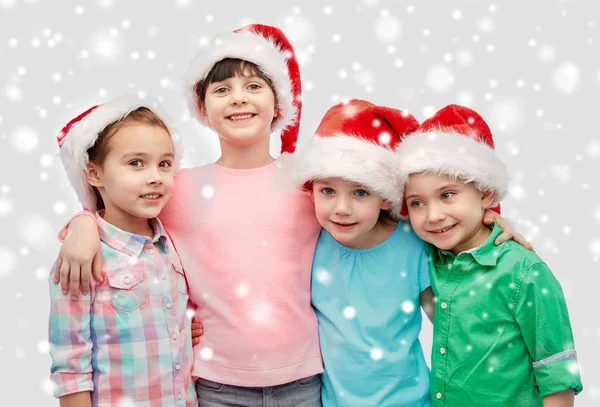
{"x":246,"y":235}
{"x":127,"y":340}
{"x":502,"y":334}
{"x":370,"y":272}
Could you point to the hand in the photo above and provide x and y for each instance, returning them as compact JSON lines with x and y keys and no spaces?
{"x":197,"y":331}
{"x":80,"y":256}
{"x":508,"y":231}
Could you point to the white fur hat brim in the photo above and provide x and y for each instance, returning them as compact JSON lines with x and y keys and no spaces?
{"x":457,"y":156}
{"x":356,"y":160}
{"x":83,"y":135}
{"x":249,"y":46}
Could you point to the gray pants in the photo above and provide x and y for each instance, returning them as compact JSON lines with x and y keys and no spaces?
{"x":299,"y":393}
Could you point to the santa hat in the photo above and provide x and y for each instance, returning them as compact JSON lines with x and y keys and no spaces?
{"x":81,"y":133}
{"x":269,"y":49}
{"x":356,"y":141}
{"x":457,"y":142}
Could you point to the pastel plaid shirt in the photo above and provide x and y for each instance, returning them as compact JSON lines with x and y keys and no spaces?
{"x":128,"y":341}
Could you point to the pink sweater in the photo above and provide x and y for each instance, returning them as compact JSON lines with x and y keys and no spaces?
{"x":246,"y":239}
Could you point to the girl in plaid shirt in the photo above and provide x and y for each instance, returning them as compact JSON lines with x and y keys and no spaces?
{"x":128,"y":340}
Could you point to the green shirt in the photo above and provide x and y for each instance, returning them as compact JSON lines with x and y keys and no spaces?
{"x":502,"y":335}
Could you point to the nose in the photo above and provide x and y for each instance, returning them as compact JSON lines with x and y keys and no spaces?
{"x":435,"y":213}
{"x":155,"y":177}
{"x":238,"y":97}
{"x":342,"y":206}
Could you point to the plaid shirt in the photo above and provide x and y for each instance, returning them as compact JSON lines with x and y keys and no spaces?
{"x":128,"y":340}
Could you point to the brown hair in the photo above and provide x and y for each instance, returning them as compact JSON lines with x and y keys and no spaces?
{"x":228,"y":68}
{"x":98,"y":152}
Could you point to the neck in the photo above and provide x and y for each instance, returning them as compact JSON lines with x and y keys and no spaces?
{"x":478,"y":238}
{"x":239,"y":157}
{"x":128,"y":223}
{"x":379,"y":234}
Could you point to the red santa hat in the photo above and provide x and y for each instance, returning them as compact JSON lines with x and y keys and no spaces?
{"x":269,"y":49}
{"x":457,"y":142}
{"x":356,"y":141}
{"x":81,"y":133}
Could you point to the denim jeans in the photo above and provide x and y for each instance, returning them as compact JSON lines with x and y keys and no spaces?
{"x":305,"y":392}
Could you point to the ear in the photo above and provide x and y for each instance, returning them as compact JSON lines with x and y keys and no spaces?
{"x":386,"y":205}
{"x":93,"y":174}
{"x":275,"y":112}
{"x":487,"y":197}
{"x":311,"y":193}
{"x":203,"y":112}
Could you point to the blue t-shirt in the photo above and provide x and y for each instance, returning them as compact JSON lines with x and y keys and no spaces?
{"x":367,"y":303}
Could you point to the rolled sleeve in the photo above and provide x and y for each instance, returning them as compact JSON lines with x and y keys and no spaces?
{"x":70,"y":342}
{"x":541,"y":312}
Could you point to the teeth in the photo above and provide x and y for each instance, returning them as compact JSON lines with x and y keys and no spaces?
{"x":240,"y":117}
{"x":151,"y":196}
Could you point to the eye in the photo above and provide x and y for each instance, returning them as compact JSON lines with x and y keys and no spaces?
{"x":136,"y":163}
{"x":165,"y":164}
{"x":415,"y":204}
{"x":254,"y":86}
{"x":448,"y":195}
{"x":328,"y":191}
{"x":222,"y":89}
{"x":361,"y":192}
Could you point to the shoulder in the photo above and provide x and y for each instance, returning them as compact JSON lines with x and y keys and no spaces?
{"x":523,"y":263}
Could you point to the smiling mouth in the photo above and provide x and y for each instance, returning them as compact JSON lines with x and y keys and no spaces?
{"x":238,"y":117}
{"x":443,"y":230}
{"x":151,"y":196}
{"x":344,"y":225}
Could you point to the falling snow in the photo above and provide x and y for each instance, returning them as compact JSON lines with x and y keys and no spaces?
{"x":535,"y":89}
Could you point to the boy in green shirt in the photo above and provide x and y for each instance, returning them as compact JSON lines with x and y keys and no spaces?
{"x":502,"y":334}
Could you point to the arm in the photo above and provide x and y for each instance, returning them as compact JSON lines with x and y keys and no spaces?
{"x":541,"y":312}
{"x":82,"y":399}
{"x":426,"y":300}
{"x":70,"y":340}
{"x":508,"y":231}
{"x":563,"y":399}
{"x":80,"y":256}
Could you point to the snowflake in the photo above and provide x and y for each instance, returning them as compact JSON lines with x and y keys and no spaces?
{"x":388,"y":28}
{"x":440,"y":78}
{"x":566,"y":77}
{"x":349,"y":312}
{"x":408,"y":307}
{"x":376,"y":354}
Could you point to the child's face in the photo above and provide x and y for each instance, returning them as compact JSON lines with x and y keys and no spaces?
{"x":447,"y":213}
{"x":136,"y":178}
{"x":347,"y":210}
{"x":240,"y":109}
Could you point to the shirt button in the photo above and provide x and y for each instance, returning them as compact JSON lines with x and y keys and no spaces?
{"x":449,"y":268}
{"x":174,"y":336}
{"x":151,"y":252}
{"x":169,"y":305}
{"x":126,"y":280}
{"x":442,"y":351}
{"x":177,"y":367}
{"x":179,"y":396}
{"x":444,"y":305}
{"x":163,"y":276}
{"x":438,"y":395}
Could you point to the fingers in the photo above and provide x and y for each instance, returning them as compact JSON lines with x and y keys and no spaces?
{"x":195,"y":341}
{"x":57,"y":266}
{"x":97,"y":268}
{"x":64,"y":277}
{"x":519,"y":238}
{"x":74,"y":280}
{"x":503,"y":238}
{"x":86,"y":273}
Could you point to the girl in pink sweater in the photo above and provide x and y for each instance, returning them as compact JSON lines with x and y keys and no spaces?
{"x":243,"y":229}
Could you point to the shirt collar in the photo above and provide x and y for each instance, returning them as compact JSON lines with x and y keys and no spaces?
{"x":485,"y":255}
{"x":126,"y":242}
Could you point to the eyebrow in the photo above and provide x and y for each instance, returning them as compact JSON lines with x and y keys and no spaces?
{"x":444,"y":186}
{"x":142,"y":154}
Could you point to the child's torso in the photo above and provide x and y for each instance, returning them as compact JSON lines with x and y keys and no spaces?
{"x":367,"y":302}
{"x":246,"y":240}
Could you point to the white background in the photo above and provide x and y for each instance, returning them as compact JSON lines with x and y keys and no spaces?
{"x":531,"y":68}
